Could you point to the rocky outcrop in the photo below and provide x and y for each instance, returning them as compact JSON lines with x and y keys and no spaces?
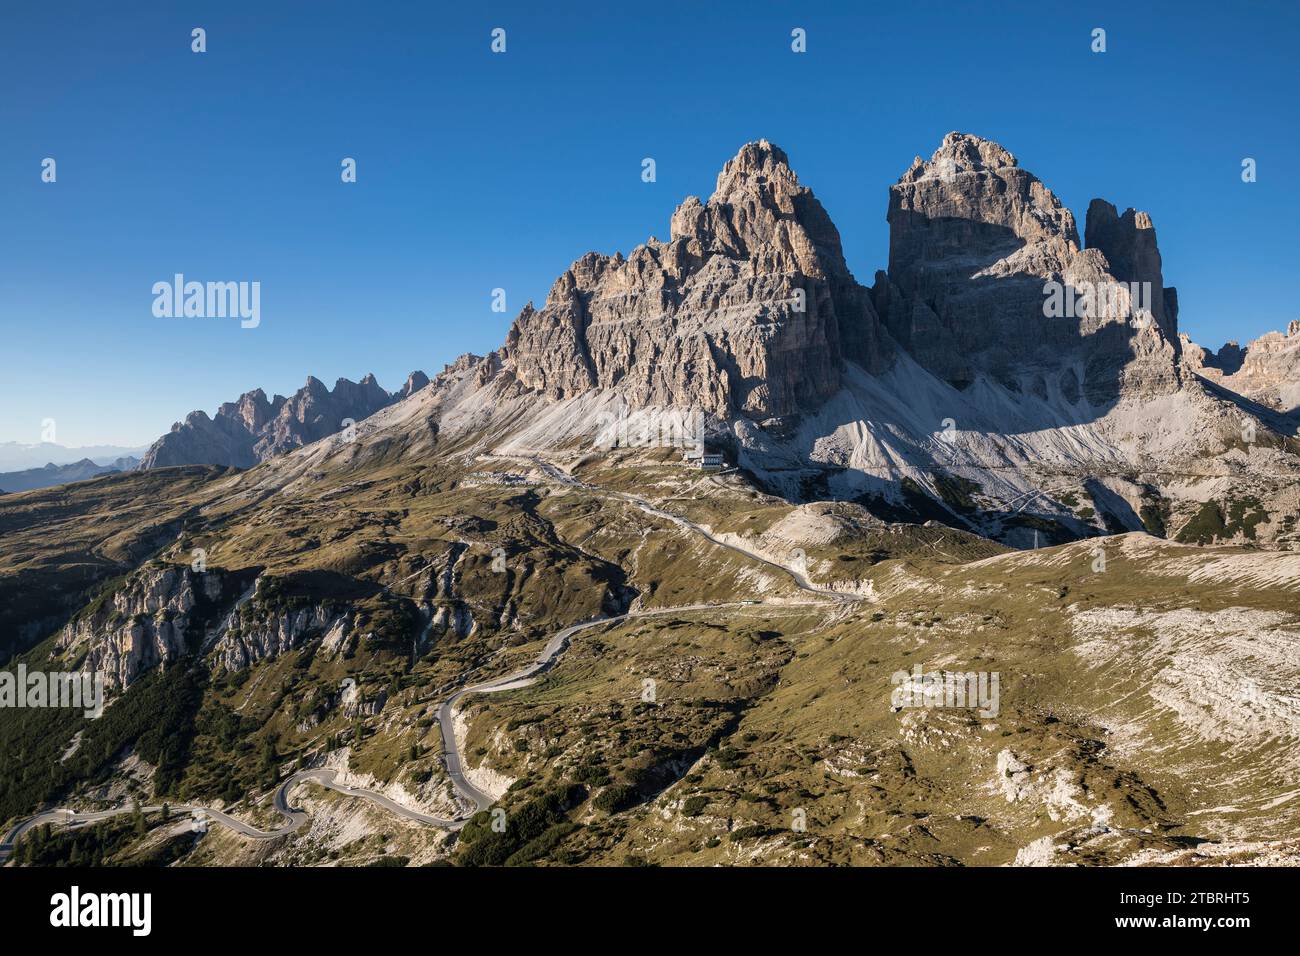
{"x":1129,"y":244}
{"x":164,"y":612}
{"x":253,"y":429}
{"x":1267,"y":370}
{"x":263,"y":632}
{"x":747,"y":309}
{"x":414,"y":382}
{"x":228,"y":438}
{"x":158,"y":615}
{"x":457,"y":618}
{"x":1232,"y":356}
{"x":354,"y":703}
{"x":986,"y":277}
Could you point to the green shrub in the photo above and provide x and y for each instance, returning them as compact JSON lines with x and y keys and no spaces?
{"x":487,"y":847}
{"x":694,"y":806}
{"x":1205,"y":526}
{"x":616,"y":798}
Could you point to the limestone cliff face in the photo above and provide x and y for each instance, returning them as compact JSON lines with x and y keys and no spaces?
{"x":977,"y":242}
{"x":261,"y":632}
{"x":166,"y":612}
{"x":747,"y":309}
{"x":414,"y":382}
{"x":750,"y":310}
{"x":1128,"y":242}
{"x":1267,"y":370}
{"x":158,"y":616}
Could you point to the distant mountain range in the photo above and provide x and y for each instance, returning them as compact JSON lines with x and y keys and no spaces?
{"x":19,"y":456}
{"x":253,"y":428}
{"x":240,"y":434}
{"x":53,"y":474}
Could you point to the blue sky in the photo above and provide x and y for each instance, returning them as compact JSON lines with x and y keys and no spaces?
{"x":478,"y":171}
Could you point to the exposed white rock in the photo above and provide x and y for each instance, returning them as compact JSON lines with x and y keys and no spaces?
{"x":148,"y":621}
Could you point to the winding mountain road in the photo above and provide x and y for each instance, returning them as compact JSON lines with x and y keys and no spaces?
{"x":293,"y":817}
{"x":799,"y":577}
{"x":453,"y":758}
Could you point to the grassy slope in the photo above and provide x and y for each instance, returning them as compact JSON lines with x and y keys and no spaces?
{"x":760,"y":713}
{"x":817,"y":734}
{"x":60,"y":543}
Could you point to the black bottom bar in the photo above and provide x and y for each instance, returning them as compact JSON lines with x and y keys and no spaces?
{"x":341,"y":906}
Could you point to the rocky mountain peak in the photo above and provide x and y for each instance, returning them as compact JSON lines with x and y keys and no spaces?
{"x":314,"y":386}
{"x":1230,"y":357}
{"x":1128,"y":242}
{"x":758,"y":156}
{"x":758,"y":168}
{"x":976,"y":246}
{"x":977,"y":181}
{"x":252,"y":409}
{"x":366,"y":392}
{"x":748,"y":308}
{"x":253,"y":429}
{"x":414,"y":382}
{"x":759,"y":209}
{"x":961,"y":153}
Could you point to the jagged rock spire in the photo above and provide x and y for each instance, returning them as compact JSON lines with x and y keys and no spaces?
{"x":747,"y":308}
{"x":976,"y":245}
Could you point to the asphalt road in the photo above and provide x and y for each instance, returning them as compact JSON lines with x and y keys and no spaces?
{"x":293,"y":817}
{"x":799,"y":578}
{"x":452,"y":757}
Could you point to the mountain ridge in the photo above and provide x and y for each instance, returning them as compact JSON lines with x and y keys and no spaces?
{"x":58,"y":474}
{"x":969,"y":393}
{"x":1266,"y":370}
{"x":253,"y":428}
